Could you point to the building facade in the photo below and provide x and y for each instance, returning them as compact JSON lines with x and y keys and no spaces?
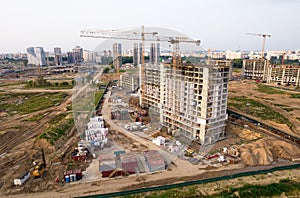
{"x":255,"y":68}
{"x":36,"y":56}
{"x":137,"y":54}
{"x":130,"y":81}
{"x":283,"y":74}
{"x":154,"y":53}
{"x":190,"y":99}
{"x":77,"y":55}
{"x":57,"y":56}
{"x":89,"y":56}
{"x":117,"y":55}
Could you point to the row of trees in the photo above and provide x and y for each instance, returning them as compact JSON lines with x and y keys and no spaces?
{"x":41,"y":82}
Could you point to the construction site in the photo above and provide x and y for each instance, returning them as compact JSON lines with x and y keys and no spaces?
{"x":159,"y":124}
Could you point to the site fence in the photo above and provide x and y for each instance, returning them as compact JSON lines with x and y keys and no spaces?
{"x":188,"y":183}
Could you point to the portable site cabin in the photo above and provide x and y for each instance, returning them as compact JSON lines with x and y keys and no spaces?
{"x":22,"y":178}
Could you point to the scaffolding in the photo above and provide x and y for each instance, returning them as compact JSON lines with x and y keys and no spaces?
{"x":284,"y":74}
{"x":191,"y":99}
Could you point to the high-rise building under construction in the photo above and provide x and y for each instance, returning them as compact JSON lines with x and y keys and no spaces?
{"x":154,"y":53}
{"x":57,"y":56}
{"x":36,"y":56}
{"x":190,"y":99}
{"x":137,"y":54}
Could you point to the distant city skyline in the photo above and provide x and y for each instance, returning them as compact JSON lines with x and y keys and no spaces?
{"x":218,"y":24}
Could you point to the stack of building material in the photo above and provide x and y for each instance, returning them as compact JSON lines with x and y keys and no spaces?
{"x":80,"y":153}
{"x":154,"y":160}
{"x":107,"y":164}
{"x":96,"y":133}
{"x":159,"y":140}
{"x":129,"y":163}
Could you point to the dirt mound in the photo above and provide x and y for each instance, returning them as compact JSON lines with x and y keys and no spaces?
{"x":265,"y":151}
{"x":43,"y":144}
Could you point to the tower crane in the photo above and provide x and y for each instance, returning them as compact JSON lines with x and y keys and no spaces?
{"x":263,"y":41}
{"x":141,"y":36}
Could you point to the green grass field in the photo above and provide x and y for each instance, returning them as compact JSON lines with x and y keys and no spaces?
{"x":290,"y":188}
{"x":24,"y":103}
{"x":254,"y":108}
{"x":60,"y":125}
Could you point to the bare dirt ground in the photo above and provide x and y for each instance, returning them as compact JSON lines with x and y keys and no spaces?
{"x":19,"y":147}
{"x":20,"y":150}
{"x":277,"y":102}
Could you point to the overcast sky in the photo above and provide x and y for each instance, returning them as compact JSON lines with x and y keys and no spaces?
{"x":219,"y":24}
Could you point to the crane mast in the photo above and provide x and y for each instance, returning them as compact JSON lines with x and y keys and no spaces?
{"x":263,"y":41}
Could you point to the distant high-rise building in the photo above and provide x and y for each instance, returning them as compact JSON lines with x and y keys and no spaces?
{"x":57,"y":56}
{"x":137,"y":54}
{"x":105,"y":53}
{"x":117,"y":55}
{"x":36,"y":56}
{"x":77,"y":54}
{"x":109,"y":53}
{"x":70,"y":58}
{"x":89,"y":56}
{"x":154,"y":53}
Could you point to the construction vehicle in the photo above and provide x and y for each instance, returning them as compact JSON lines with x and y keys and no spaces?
{"x":39,"y":168}
{"x":263,"y":42}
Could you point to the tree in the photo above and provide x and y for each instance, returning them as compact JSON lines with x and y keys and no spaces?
{"x":237,"y":63}
{"x":127,"y":59}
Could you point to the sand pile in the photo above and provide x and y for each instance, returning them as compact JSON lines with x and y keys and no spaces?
{"x":265,"y":151}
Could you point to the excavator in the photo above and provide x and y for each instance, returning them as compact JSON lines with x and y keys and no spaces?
{"x":39,"y":168}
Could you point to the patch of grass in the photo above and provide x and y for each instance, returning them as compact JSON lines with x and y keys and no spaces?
{"x":35,"y":118}
{"x":58,"y":118}
{"x":295,"y":96}
{"x":246,"y":191}
{"x":269,"y":99}
{"x":268,"y":90}
{"x":269,"y":190}
{"x":56,"y":130}
{"x":24,"y":103}
{"x":256,"y":109}
{"x":69,"y":107}
{"x":280,"y":105}
{"x":98,"y":95}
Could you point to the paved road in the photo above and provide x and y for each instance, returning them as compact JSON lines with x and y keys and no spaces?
{"x":168,"y":157}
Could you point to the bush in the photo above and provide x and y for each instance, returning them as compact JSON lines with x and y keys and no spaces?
{"x":65,"y":83}
{"x":106,"y":70}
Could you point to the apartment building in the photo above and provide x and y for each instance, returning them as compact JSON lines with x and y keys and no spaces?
{"x":130,"y":81}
